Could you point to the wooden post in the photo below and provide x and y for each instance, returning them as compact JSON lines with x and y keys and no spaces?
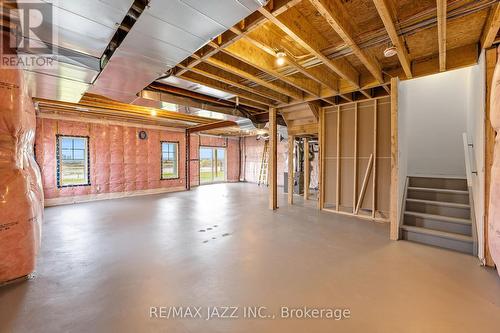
{"x":375,"y":130}
{"x":337,"y":191}
{"x":355,"y":159}
{"x":489,"y":144}
{"x":291,"y":140}
{"x":307,"y":167}
{"x":188,"y":160}
{"x":273,"y":160}
{"x":394,"y":216}
{"x":321,"y":155}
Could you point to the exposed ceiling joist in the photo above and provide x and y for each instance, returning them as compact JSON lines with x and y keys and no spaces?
{"x":232,"y":68}
{"x":250,"y":54}
{"x":441,"y":18}
{"x":208,"y":71}
{"x":335,"y":15}
{"x":294,"y":25}
{"x":264,"y":41}
{"x":491,"y":27}
{"x":259,"y":102}
{"x":250,"y":25}
{"x":211,"y":126}
{"x":388,"y":20}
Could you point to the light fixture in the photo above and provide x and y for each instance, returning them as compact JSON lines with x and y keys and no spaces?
{"x":390,"y":51}
{"x":154,"y":113}
{"x":280,"y":58}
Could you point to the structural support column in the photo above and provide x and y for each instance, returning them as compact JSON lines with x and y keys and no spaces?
{"x":307,"y":169}
{"x":321,"y":156}
{"x":291,"y":141}
{"x":394,"y":216}
{"x":273,"y":160}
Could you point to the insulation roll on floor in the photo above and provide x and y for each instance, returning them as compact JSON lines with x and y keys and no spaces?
{"x":21,"y":196}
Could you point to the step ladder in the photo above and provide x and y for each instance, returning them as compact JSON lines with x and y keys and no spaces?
{"x":263,"y":165}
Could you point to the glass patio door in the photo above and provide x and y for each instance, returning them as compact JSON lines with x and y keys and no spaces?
{"x":212,"y":165}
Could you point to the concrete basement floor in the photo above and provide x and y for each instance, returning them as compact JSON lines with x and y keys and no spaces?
{"x":104,"y":264}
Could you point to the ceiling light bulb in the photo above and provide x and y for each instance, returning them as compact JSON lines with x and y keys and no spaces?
{"x":153,"y":113}
{"x":280,"y":58}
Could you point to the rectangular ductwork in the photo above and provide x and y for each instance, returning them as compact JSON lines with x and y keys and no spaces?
{"x":166,"y":33}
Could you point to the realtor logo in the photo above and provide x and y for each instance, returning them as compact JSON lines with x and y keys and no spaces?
{"x":29,"y":34}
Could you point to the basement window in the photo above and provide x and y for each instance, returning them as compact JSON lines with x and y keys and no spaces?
{"x":169,"y":160}
{"x":72,"y":161}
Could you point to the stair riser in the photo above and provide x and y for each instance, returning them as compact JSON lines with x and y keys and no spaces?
{"x":442,"y":183}
{"x":450,"y":244}
{"x":457,"y":228}
{"x":437,"y":196}
{"x":463,"y":213}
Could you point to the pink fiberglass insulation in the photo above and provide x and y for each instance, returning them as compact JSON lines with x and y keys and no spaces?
{"x":494,"y":213}
{"x":21,"y":196}
{"x":119,"y":160}
{"x":253,"y":149}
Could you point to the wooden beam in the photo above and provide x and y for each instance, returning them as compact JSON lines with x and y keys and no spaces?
{"x":273,"y":160}
{"x":375,"y":132}
{"x":441,"y":21}
{"x":291,"y":144}
{"x":321,"y":162}
{"x":307,"y":169}
{"x":355,"y":156}
{"x":315,"y":107}
{"x":216,"y":74}
{"x":211,"y":126}
{"x":489,"y":145}
{"x":96,"y":102}
{"x":337,"y":190}
{"x":250,"y":54}
{"x":251,"y":23}
{"x":294,"y":24}
{"x":266,"y":39}
{"x":259,"y":103}
{"x":491,"y":27}
{"x":335,"y":15}
{"x":394,"y":194}
{"x":234,"y":69}
{"x":388,"y":20}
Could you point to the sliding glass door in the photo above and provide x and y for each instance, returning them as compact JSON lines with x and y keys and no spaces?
{"x":212,"y":165}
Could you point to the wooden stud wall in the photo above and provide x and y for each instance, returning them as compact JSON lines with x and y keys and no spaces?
{"x":357,"y":144}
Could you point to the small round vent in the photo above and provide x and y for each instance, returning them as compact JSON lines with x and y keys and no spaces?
{"x":391,"y":51}
{"x":143,"y":135}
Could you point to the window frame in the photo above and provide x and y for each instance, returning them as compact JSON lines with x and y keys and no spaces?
{"x":59,"y":155}
{"x":176,"y":160}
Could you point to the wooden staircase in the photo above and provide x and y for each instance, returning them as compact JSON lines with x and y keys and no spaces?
{"x":437,"y":211}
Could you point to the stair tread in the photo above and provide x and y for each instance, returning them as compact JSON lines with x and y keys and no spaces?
{"x":438,"y":233}
{"x":439,"y":217}
{"x":443,"y":190}
{"x":439,"y":203}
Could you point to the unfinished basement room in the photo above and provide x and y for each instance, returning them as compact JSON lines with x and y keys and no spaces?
{"x":247,"y":166}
